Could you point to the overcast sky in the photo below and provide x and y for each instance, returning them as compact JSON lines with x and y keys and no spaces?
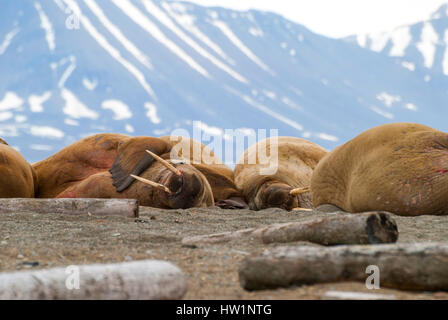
{"x":338,"y":18}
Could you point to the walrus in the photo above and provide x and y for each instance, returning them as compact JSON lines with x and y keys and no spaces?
{"x":119,"y":166}
{"x":17,"y":178}
{"x":276,"y":172}
{"x":219,"y":175}
{"x":400,"y":168}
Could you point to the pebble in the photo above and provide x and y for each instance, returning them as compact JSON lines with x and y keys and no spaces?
{"x":20,"y":256}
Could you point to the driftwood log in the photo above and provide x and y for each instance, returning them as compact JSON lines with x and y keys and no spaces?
{"x":101,"y":207}
{"x":143,"y":280}
{"x":405,"y":266}
{"x":335,"y":229}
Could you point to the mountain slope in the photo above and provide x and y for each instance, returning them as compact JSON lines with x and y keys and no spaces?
{"x":151,"y":67}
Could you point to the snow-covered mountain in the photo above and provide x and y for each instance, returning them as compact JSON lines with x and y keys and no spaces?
{"x":422,"y":47}
{"x":71,"y":68}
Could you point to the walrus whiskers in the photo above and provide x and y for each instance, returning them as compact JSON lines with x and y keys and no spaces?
{"x":152,"y":183}
{"x":298,"y":191}
{"x":168,"y":165}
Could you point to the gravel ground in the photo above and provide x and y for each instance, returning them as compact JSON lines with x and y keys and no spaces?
{"x":33,"y":241}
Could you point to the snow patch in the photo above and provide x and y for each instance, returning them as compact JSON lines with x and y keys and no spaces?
{"x":115,"y":53}
{"x":388,"y":99}
{"x":36,"y":102}
{"x":178,"y":13}
{"x":382,"y":113}
{"x":152,"y":113}
{"x":401,"y":38}
{"x":256,"y":32}
{"x":129,"y":128}
{"x":146,"y":24}
{"x":213,"y":14}
{"x":10,"y":101}
{"x":41,"y":147}
{"x":46,"y":132}
{"x":270,"y":94}
{"x":75,"y":108}
{"x":121,"y":111}
{"x":89,"y":84}
{"x":71,"y":122}
{"x":239,"y":44}
{"x":6,"y":115}
{"x":68,"y":72}
{"x":213,"y":131}
{"x":379,"y":41}
{"x":269,"y":112}
{"x":47,"y":26}
{"x":427,"y":45}
{"x":9,"y":131}
{"x":167,"y":22}
{"x":445,"y":58}
{"x":327,"y":137}
{"x":116,"y":32}
{"x":7,"y":41}
{"x":408,"y":65}
{"x":20,"y":118}
{"x":361,"y":39}
{"x":411,"y":106}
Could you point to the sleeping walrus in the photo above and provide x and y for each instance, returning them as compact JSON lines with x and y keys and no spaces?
{"x":17,"y":177}
{"x":219,"y":175}
{"x":276,"y":172}
{"x":400,"y":168}
{"x":108,"y":165}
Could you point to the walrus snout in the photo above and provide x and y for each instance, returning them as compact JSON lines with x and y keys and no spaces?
{"x":278,"y":196}
{"x":187,"y":190}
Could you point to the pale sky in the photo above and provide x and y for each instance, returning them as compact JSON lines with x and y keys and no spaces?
{"x":339,"y":18}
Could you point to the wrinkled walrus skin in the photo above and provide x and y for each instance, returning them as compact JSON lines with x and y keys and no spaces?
{"x":219,"y":175}
{"x":297,"y":159}
{"x":99,"y":167}
{"x":17,"y":177}
{"x":400,"y":168}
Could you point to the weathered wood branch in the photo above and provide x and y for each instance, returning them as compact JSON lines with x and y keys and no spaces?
{"x":101,"y":207}
{"x":366,"y":228}
{"x":405,"y":266}
{"x":143,"y":280}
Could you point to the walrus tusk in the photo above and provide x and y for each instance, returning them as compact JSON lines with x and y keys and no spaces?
{"x":302,"y":209}
{"x":152,"y":183}
{"x":298,"y":191}
{"x":168,"y":165}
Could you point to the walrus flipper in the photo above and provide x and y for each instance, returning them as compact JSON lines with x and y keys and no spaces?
{"x":133,"y":159}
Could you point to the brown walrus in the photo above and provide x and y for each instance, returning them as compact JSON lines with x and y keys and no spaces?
{"x":17,"y":177}
{"x":219,"y":175}
{"x":280,"y":179}
{"x":107,"y":165}
{"x":400,"y":168}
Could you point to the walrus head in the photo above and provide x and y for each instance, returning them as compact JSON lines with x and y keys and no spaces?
{"x":186,"y":190}
{"x":275,"y":195}
{"x":176,"y":185}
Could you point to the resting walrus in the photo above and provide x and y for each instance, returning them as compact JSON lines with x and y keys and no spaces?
{"x":219,"y":175}
{"x":107,"y":165}
{"x":282,"y":180}
{"x":400,"y":168}
{"x":17,"y":177}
